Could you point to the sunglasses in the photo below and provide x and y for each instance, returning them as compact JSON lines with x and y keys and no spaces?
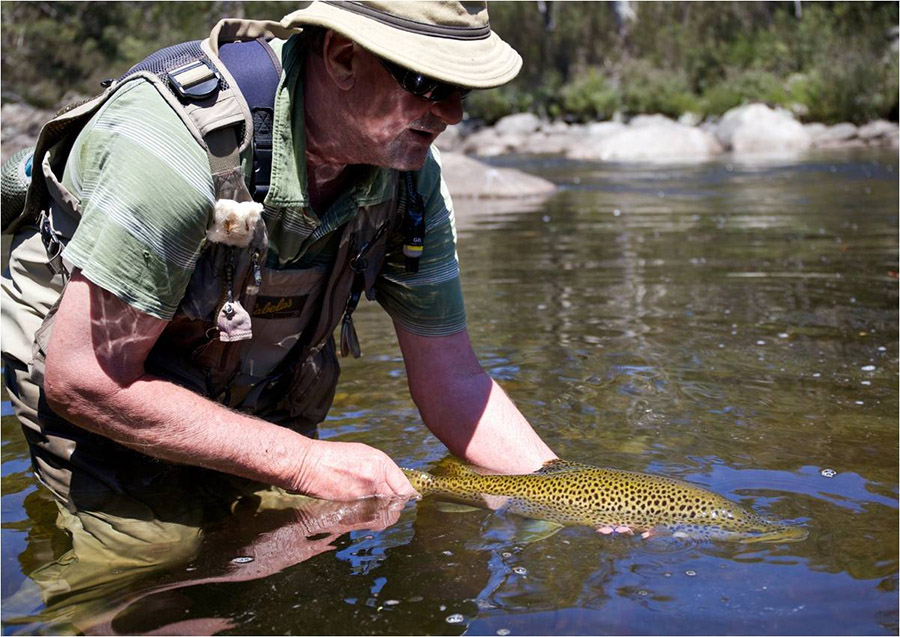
{"x":422,"y":86}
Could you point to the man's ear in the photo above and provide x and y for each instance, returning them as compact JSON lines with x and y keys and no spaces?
{"x":339,"y":54}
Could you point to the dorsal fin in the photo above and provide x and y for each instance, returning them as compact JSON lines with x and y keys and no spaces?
{"x":451,"y":466}
{"x":559,"y":465}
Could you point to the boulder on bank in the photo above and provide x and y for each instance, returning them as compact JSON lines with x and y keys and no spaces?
{"x":879,"y":132}
{"x":758,"y":129}
{"x":822,"y":136}
{"x":598,"y":130}
{"x":656,"y":119}
{"x":543,"y":143}
{"x":509,"y":135}
{"x":467,"y":177}
{"x":651,"y":140}
{"x":487,"y":142}
{"x":518,"y":124}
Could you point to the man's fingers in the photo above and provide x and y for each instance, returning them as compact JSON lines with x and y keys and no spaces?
{"x":399,"y":485}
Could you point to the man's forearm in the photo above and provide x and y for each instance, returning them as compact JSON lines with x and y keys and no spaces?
{"x":166,"y":421}
{"x":465,"y":408}
{"x":477,"y":421}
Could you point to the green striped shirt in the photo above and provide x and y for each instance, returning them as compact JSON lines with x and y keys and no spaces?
{"x":147,"y":198}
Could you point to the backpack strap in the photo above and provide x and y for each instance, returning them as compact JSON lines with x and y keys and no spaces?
{"x":226,"y":85}
{"x":257,"y":71}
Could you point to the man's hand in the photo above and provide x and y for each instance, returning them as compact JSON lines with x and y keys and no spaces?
{"x":349,"y":471}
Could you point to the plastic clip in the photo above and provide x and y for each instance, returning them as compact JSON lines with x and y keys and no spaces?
{"x":195,"y":80}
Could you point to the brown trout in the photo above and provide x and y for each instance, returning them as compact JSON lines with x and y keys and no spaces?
{"x":569,"y":493}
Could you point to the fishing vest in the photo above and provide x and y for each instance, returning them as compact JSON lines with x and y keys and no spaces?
{"x":256,"y":339}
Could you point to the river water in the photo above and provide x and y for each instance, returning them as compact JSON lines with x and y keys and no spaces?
{"x":734,"y":325}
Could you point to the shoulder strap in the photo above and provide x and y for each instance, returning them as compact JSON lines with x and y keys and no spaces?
{"x":210,"y":102}
{"x":257,"y":71}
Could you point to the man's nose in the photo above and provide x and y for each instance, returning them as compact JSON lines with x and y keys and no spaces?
{"x":449,"y":110}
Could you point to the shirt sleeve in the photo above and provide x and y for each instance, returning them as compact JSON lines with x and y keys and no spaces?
{"x":428,"y":302}
{"x":146,"y":195}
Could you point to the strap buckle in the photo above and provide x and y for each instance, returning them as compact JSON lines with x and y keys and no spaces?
{"x":195,"y":80}
{"x":53,"y":246}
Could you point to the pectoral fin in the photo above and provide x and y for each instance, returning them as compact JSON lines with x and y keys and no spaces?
{"x":536,"y":530}
{"x":455,"y":507}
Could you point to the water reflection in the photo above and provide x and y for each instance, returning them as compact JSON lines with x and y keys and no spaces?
{"x":266,"y":533}
{"x":733,"y":326}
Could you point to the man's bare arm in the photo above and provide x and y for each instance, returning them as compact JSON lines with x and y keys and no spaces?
{"x":465,"y":408}
{"x":95,"y":378}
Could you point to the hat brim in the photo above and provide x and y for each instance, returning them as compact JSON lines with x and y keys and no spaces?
{"x":473,"y":63}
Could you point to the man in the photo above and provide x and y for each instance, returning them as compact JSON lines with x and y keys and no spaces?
{"x":365,"y":91}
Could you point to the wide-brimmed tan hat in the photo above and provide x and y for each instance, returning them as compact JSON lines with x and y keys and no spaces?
{"x":449,"y":41}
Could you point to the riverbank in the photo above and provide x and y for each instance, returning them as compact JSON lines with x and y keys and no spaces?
{"x":752,"y":130}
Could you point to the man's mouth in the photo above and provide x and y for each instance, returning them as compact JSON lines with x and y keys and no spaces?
{"x":426,"y":135}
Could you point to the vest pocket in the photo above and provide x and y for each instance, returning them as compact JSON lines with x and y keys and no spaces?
{"x":288,"y":304}
{"x":312,"y":388}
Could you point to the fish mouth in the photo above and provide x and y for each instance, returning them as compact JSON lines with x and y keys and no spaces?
{"x":781,"y":534}
{"x":747,"y":535}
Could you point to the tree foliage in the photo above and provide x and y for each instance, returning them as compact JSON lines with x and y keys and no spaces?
{"x":833,"y":61}
{"x":830,"y":61}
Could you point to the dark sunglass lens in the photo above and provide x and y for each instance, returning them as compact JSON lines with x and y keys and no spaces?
{"x":421,"y":85}
{"x":418,"y":84}
{"x":442,"y":92}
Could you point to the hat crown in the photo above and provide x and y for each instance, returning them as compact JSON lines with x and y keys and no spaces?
{"x":457,"y":20}
{"x":441,"y":14}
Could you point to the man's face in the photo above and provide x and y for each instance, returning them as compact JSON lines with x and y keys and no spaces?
{"x":391,"y":127}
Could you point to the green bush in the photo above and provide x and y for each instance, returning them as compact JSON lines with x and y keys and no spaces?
{"x":649,"y":89}
{"x":590,"y":96}
{"x":488,"y":106}
{"x":850,"y":88}
{"x":742,"y":87}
